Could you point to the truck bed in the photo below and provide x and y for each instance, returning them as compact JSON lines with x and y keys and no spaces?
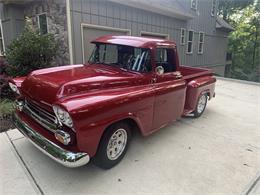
{"x":189,"y":73}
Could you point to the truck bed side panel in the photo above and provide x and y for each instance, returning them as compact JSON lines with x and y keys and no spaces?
{"x":189,"y":73}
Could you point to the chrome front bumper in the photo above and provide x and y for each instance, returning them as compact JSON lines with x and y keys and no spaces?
{"x":62,"y":156}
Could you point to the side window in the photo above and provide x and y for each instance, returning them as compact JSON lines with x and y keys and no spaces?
{"x":165,"y":57}
{"x":183,"y":32}
{"x":201,"y":42}
{"x":194,"y":4}
{"x":161,"y":55}
{"x":42,"y":23}
{"x":190,"y":42}
{"x":213,"y":8}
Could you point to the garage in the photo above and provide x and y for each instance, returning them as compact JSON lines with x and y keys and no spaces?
{"x":154,"y":35}
{"x":91,"y":32}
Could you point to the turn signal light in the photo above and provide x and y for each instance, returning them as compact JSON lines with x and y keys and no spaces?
{"x":62,"y":137}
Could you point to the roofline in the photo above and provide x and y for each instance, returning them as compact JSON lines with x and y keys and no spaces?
{"x":19,"y":2}
{"x":148,"y":7}
{"x":221,"y":24}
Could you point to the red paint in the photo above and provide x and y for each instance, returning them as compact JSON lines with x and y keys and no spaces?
{"x":97,"y":96}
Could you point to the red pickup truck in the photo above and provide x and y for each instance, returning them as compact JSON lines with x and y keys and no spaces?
{"x":77,"y":112}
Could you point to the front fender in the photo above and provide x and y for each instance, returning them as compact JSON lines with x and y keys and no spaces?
{"x":92,"y":113}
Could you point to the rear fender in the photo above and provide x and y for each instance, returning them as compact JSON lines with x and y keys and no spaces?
{"x":196,"y":88}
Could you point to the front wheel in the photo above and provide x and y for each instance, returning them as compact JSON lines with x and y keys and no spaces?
{"x":113,"y":146}
{"x":201,"y":105}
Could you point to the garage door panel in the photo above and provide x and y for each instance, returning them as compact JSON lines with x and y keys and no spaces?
{"x":154,"y":35}
{"x":91,"y":33}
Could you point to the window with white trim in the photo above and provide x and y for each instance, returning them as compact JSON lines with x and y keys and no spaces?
{"x":183,"y":33}
{"x":213,"y":8}
{"x":190,"y":42}
{"x":2,"y":45}
{"x":42,"y":23}
{"x":201,"y":42}
{"x":194,"y":4}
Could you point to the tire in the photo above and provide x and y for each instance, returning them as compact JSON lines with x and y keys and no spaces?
{"x":201,"y":105}
{"x":113,"y":145}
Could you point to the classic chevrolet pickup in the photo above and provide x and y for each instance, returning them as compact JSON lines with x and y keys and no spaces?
{"x":77,"y":112}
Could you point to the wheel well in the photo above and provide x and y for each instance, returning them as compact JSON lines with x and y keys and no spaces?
{"x":132,"y":123}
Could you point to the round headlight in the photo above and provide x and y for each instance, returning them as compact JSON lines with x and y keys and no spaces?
{"x":63,"y":116}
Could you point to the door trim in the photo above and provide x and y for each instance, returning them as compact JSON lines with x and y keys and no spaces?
{"x":98,"y":27}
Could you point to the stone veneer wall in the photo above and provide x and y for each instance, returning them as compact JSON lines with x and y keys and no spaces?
{"x":57,"y":24}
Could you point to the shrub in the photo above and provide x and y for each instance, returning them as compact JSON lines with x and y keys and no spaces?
{"x":5,"y":91}
{"x":6,"y":108}
{"x":30,"y":51}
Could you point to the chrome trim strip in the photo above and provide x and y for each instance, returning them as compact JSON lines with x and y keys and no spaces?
{"x":48,"y":115}
{"x":39,"y":119}
{"x":60,"y":155}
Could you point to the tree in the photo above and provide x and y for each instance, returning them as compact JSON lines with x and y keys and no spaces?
{"x":244,"y":44}
{"x":227,"y":8}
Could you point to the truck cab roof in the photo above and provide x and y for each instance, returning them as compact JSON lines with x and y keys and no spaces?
{"x":142,"y":42}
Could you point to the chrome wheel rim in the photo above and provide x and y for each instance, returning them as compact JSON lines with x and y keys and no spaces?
{"x":116,"y":144}
{"x":201,"y":104}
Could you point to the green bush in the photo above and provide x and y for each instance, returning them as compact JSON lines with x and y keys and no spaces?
{"x":30,"y":51}
{"x":6,"y":108}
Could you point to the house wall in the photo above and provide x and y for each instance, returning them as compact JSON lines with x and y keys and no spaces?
{"x":115,"y":15}
{"x":12,"y":21}
{"x":215,"y":41}
{"x":57,"y":24}
{"x":106,"y":13}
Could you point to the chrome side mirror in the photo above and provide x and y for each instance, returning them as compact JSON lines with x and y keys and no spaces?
{"x":159,"y":70}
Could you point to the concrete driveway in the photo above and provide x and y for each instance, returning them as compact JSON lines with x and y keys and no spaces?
{"x":218,"y":153}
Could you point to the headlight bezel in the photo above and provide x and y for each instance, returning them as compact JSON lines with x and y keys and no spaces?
{"x":63,"y":116}
{"x":14,"y":88}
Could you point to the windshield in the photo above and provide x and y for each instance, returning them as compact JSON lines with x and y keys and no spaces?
{"x":125,"y":57}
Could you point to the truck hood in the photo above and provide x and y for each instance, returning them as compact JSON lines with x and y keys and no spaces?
{"x":49,"y":85}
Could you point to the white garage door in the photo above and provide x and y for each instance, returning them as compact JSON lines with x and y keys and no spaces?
{"x":154,"y":35}
{"x":91,"y":32}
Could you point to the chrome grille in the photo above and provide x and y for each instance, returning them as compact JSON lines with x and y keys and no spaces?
{"x":41,"y":116}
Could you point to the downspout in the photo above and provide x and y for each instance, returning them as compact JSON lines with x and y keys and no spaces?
{"x":3,"y":38}
{"x":69,"y":31}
